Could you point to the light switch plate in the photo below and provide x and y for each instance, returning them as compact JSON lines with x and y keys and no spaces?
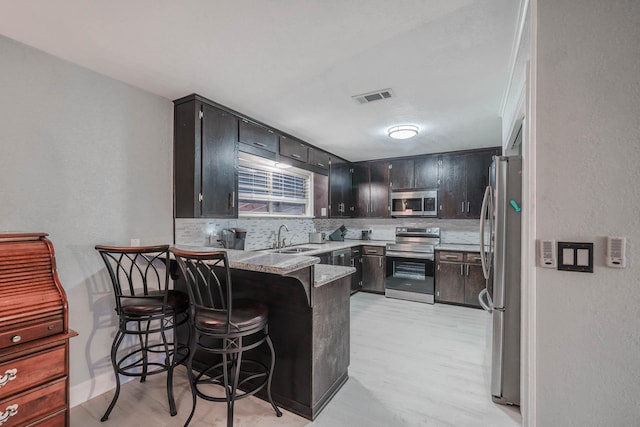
{"x":573,"y":256}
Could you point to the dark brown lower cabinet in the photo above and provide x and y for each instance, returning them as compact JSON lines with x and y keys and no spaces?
{"x":459,"y":278}
{"x":373,"y":269}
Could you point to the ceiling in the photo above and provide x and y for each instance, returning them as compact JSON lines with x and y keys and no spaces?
{"x":295,"y":64}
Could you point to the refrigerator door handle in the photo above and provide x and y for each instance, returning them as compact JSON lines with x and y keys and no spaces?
{"x":488,"y":304}
{"x":483,"y":215}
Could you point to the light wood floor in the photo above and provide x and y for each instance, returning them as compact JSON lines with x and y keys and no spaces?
{"x":412,"y":364}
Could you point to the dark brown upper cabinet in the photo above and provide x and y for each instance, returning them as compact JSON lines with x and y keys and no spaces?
{"x":319,"y":158}
{"x":294,"y":149}
{"x":419,"y":173}
{"x":255,"y":137}
{"x":464,"y":176}
{"x":205,"y":160}
{"x":340,"y":195}
{"x":371,"y":189}
{"x":402,"y":174}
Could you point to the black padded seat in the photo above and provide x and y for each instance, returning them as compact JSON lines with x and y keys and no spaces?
{"x":224,"y":329}
{"x":177,"y":302}
{"x":246,"y":316}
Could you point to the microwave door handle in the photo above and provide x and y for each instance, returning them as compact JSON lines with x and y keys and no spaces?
{"x":483,"y":215}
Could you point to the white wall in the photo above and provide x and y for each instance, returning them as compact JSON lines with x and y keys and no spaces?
{"x":88,"y":160}
{"x":588,"y":187}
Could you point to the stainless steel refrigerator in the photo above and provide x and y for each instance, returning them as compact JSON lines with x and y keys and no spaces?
{"x":500,"y":247}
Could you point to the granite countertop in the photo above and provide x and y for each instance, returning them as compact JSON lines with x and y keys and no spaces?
{"x":263,"y":261}
{"x":330,"y":246}
{"x":324,"y":273}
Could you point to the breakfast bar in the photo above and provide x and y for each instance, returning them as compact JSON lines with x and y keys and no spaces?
{"x":308,"y":322}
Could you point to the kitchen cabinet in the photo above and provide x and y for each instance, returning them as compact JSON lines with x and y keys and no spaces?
{"x":320,"y":159}
{"x":464,"y":177}
{"x":426,"y":172}
{"x":371,"y":189}
{"x":294,"y":149}
{"x":340,"y":198}
{"x":205,"y":160}
{"x":356,"y":261}
{"x":459,"y":278}
{"x":373,"y":269}
{"x":320,"y":196}
{"x":257,"y":139}
{"x":402,"y":174}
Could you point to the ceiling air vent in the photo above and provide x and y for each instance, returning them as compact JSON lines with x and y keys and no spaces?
{"x":373,"y":96}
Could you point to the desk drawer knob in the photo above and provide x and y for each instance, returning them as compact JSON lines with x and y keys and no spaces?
{"x":11,"y":411}
{"x":9,"y":374}
{"x":16,"y":338}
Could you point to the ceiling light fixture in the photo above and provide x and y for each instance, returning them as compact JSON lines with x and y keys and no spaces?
{"x":402,"y":131}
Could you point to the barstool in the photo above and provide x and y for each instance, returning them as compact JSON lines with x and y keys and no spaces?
{"x":224,"y":329}
{"x":148,"y":310}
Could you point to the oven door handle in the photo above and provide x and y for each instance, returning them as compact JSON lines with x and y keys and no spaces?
{"x":408,"y":255}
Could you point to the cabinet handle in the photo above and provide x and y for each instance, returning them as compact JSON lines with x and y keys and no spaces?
{"x":297,"y":156}
{"x":450,"y":257}
{"x":371,"y":251}
{"x":321,"y":165}
{"x":462,"y":206}
{"x":9,"y":375}
{"x":200,"y":197}
{"x":468,"y":206}
{"x":467,"y":270}
{"x":11,"y":411}
{"x":232,"y":199}
{"x":462,"y":269}
{"x":380,"y":261}
{"x":259,"y":144}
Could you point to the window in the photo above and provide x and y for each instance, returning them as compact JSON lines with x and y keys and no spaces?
{"x":266,"y":190}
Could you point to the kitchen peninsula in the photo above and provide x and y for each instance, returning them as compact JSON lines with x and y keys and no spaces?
{"x":308,"y":322}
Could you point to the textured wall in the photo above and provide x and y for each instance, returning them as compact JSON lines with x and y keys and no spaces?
{"x":88,"y":160}
{"x":588,"y":187}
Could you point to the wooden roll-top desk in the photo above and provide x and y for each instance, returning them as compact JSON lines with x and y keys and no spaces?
{"x":34,"y":334}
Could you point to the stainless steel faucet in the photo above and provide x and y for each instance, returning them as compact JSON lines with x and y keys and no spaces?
{"x":280,"y":243}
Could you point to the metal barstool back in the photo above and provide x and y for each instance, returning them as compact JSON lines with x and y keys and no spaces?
{"x":224,"y":328}
{"x":146,"y":309}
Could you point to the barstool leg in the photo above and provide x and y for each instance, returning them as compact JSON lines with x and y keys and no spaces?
{"x":114,"y":362}
{"x":273,"y":364}
{"x":192,"y":380}
{"x":169,"y":363}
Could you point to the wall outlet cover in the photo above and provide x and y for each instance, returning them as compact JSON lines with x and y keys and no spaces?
{"x":574,"y":256}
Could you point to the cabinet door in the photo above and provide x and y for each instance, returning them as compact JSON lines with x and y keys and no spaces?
{"x":477,"y":179}
{"x":356,"y":278}
{"x":219,"y":163}
{"x":319,"y":158}
{"x":426,"y":172}
{"x":340,"y":190}
{"x":474,"y":284}
{"x":294,"y":149}
{"x":257,"y":136}
{"x":379,"y":190}
{"x":402,"y":174}
{"x":361,"y":191}
{"x":450,"y":282}
{"x":320,"y":196}
{"x":373,"y":273}
{"x":452,"y":187}
{"x":187,"y":160}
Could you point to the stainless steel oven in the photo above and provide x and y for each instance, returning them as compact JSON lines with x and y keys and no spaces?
{"x":410,"y":264}
{"x":414,"y":203}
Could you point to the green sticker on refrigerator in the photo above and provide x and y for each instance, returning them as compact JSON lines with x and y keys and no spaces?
{"x":515,"y":205}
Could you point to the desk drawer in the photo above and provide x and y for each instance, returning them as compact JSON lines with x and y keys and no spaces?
{"x":20,"y":374}
{"x":33,"y":405}
{"x":29,"y":331}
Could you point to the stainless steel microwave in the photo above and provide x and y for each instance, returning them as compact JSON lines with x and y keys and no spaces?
{"x":414,"y":203}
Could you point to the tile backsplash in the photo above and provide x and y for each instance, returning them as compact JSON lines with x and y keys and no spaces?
{"x":262,"y":232}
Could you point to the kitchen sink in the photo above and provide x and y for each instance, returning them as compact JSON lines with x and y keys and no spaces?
{"x":293,"y":250}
